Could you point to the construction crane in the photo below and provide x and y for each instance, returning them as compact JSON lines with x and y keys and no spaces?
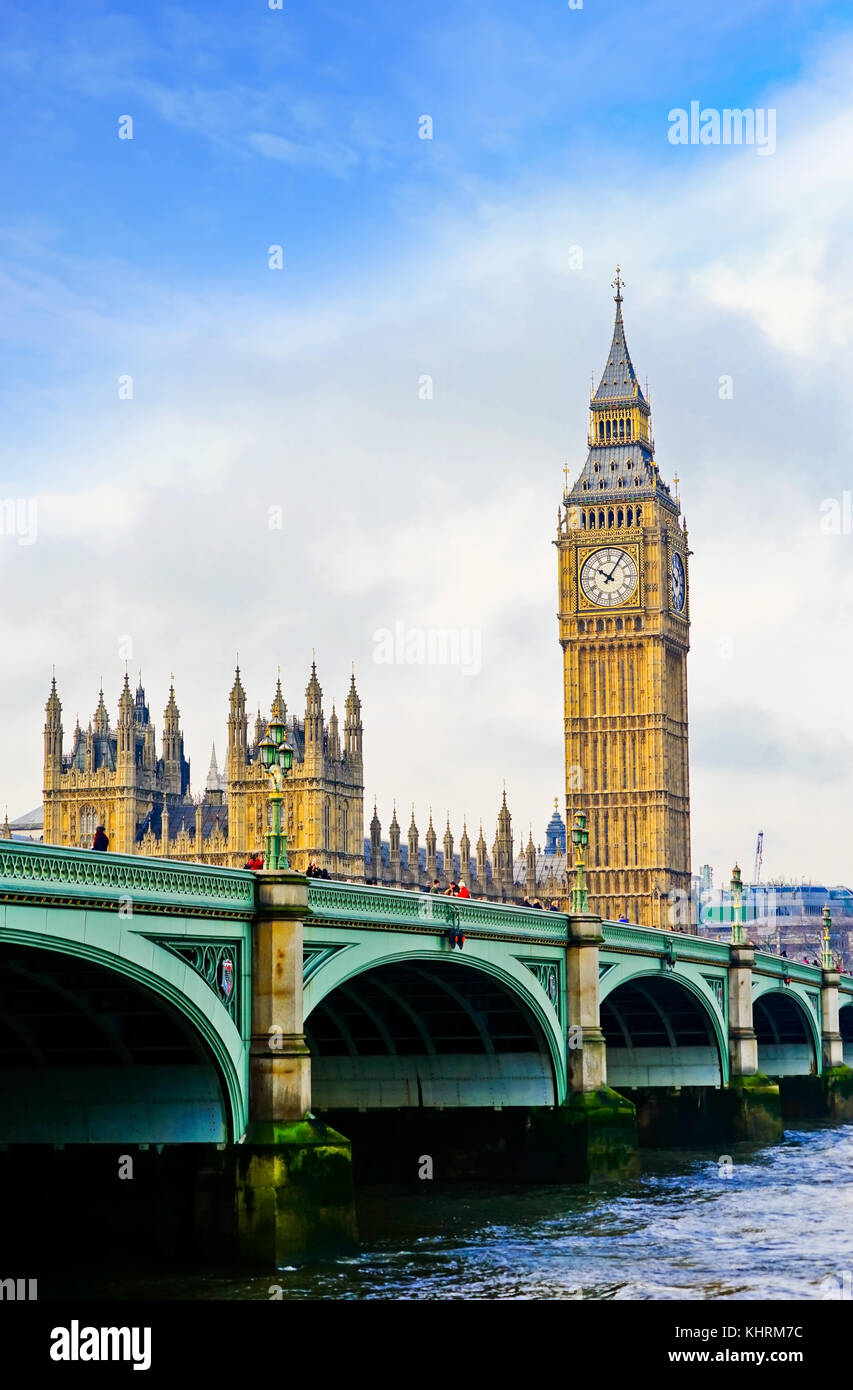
{"x":759,"y":857}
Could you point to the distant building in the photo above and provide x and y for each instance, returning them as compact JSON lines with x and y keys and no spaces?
{"x":784,"y":916}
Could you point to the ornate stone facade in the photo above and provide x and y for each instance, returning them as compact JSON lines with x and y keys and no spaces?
{"x":624,"y":630}
{"x":113,"y":777}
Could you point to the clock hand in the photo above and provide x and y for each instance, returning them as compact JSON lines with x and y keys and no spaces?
{"x":608,"y":577}
{"x":613,"y":571}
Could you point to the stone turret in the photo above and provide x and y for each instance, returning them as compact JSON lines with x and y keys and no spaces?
{"x":52,"y":739}
{"x":237,"y":729}
{"x":530,"y":877}
{"x":125,"y":747}
{"x":502,"y":856}
{"x":313,"y":713}
{"x":464,"y":853}
{"x":334,"y":747}
{"x":375,"y":847}
{"x":448,"y":852}
{"x":278,"y":709}
{"x":482,"y":862}
{"x":101,"y":721}
{"x":172,"y":746}
{"x":431,"y":856}
{"x":395,"y":857}
{"x":353,"y":729}
{"x":414,"y":853}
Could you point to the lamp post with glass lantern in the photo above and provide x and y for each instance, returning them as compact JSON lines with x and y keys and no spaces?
{"x":827,"y":960}
{"x":580,"y":839}
{"x":277,"y":760}
{"x":738,"y":936}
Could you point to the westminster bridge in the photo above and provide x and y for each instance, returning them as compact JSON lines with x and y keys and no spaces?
{"x":150,"y":1003}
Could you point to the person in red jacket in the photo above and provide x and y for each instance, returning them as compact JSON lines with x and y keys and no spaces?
{"x":463,"y":891}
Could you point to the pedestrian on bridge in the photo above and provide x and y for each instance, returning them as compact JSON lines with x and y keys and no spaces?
{"x":101,"y":840}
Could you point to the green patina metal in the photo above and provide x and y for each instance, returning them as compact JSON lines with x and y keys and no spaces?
{"x":50,"y":875}
{"x":111,"y":909}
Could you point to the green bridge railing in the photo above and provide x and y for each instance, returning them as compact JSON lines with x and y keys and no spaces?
{"x":365,"y":905}
{"x":48,"y":874}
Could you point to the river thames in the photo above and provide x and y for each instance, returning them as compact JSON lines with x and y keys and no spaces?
{"x":777,"y":1228}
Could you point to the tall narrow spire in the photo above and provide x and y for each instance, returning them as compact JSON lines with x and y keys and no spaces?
{"x":237,"y":728}
{"x":278,"y":709}
{"x":102,"y":718}
{"x":620,"y":464}
{"x":314,"y":710}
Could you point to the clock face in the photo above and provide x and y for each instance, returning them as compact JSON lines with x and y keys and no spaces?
{"x":676,"y":582}
{"x":609,"y":577}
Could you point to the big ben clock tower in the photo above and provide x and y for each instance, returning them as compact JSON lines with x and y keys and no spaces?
{"x":624,"y":630}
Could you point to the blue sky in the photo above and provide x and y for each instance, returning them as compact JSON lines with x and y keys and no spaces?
{"x":402,"y":256}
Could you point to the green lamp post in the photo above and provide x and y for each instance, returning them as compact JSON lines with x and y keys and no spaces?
{"x":277,"y":760}
{"x":738,"y":936}
{"x":580,"y":839}
{"x":827,"y":927}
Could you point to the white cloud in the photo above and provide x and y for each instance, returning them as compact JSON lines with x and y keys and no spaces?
{"x":442,"y":512}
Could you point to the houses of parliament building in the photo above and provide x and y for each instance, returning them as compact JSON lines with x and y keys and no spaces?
{"x":115,"y":778}
{"x":623,"y":621}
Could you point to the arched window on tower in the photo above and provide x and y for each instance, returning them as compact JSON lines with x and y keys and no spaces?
{"x":639,"y":516}
{"x":592,"y":521}
{"x":621,"y":429}
{"x":608,"y":429}
{"x":326,"y":824}
{"x":620,"y":517}
{"x":601,"y":521}
{"x":627,"y":429}
{"x":610,"y":517}
{"x":601,"y":429}
{"x":630,"y":516}
{"x":344,"y":828}
{"x":88,"y":824}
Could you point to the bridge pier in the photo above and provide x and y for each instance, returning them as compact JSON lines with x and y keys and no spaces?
{"x":829,"y":1095}
{"x":837,"y":1078}
{"x":284,"y":1190}
{"x":752,"y":1103}
{"x":592,"y":1136}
